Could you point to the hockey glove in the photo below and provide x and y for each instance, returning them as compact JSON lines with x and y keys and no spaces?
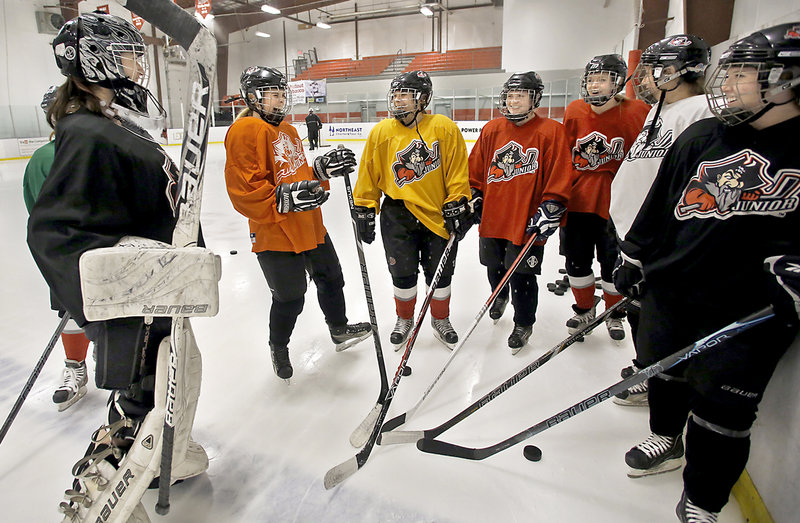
{"x":476,"y":205}
{"x":299,"y":196}
{"x":547,"y":218}
{"x":628,"y":279}
{"x":457,"y":217}
{"x":336,"y":162}
{"x":786,"y":269}
{"x":365,"y":223}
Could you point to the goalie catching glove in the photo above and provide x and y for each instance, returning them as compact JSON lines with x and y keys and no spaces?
{"x":299,"y":196}
{"x":337,"y":162}
{"x":457,"y":217}
{"x":547,"y":219}
{"x":365,"y":223}
{"x":786,"y":269}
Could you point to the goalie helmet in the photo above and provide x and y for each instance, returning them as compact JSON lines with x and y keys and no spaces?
{"x":419,"y":84}
{"x":689,"y":55}
{"x":529,"y":82}
{"x":755,"y":74}
{"x":256,"y":84}
{"x":603,"y":77}
{"x":105,"y":50}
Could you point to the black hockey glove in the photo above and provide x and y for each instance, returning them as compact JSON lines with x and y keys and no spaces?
{"x":547,"y":218}
{"x":336,"y":162}
{"x":299,"y":196}
{"x":628,"y":279}
{"x":365,"y":223}
{"x":786,"y":269}
{"x":457,"y":217}
{"x":476,"y":205}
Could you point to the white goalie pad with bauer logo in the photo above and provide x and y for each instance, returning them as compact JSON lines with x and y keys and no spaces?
{"x":143,"y":277}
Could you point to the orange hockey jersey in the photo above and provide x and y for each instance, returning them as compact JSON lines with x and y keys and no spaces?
{"x":599,"y":143}
{"x":259,"y":156}
{"x":516,"y":168}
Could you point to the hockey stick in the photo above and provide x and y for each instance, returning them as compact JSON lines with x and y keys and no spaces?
{"x":402,"y":418}
{"x":344,"y":470}
{"x":359,"y":436}
{"x":201,"y":46}
{"x":34,"y":375}
{"x":412,"y":436}
{"x":433,"y":446}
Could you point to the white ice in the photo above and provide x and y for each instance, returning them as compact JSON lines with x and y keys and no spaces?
{"x":270,"y":444}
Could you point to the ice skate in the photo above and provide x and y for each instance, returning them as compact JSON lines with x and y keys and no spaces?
{"x":582,"y":318}
{"x":655,"y":455}
{"x":280,"y":361}
{"x":444,"y":332}
{"x":519,"y":337}
{"x":73,"y":386}
{"x":615,"y":328}
{"x":498,"y":308}
{"x":348,"y":335}
{"x":635,"y":396}
{"x":688,"y":512}
{"x":402,"y":328}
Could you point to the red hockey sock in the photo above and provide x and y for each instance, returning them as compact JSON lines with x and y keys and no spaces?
{"x":405,"y":308}
{"x":584,"y":297}
{"x":440,"y":309}
{"x":75,"y":345}
{"x":611,"y":299}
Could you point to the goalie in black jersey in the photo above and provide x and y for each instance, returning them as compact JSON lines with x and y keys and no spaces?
{"x":110,"y":180}
{"x":692,"y":244}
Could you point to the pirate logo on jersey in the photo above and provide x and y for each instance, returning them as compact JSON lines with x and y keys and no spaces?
{"x":510,"y":161}
{"x":793,"y":32}
{"x":594,"y":150}
{"x":288,"y":156}
{"x":658,"y":145}
{"x":737,"y":185}
{"x":415,"y":161}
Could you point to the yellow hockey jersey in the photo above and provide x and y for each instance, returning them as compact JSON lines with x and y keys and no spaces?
{"x":425,"y":173}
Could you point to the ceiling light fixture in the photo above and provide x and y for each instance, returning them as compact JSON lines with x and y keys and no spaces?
{"x":262,"y":34}
{"x":426,"y":10}
{"x":271,"y":10}
{"x":323,"y":25}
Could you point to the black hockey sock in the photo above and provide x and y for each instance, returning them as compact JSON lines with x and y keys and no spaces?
{"x":669,"y":405}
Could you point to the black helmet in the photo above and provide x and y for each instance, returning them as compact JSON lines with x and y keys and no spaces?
{"x":771,"y":57}
{"x":688,"y":54}
{"x":416,"y":82}
{"x":255,"y":82}
{"x":529,"y":82}
{"x":617,"y":70}
{"x":97,"y":48}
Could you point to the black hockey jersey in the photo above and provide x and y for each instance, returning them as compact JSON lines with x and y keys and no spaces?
{"x":105,"y":183}
{"x":724,"y":199}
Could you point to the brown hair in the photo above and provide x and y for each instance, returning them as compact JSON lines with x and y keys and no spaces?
{"x":71,"y":96}
{"x":244,"y":112}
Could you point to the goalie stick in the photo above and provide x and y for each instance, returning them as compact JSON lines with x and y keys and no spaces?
{"x":433,"y":446}
{"x":344,"y":470}
{"x":402,"y":418}
{"x":411,"y":436}
{"x":359,"y":436}
{"x":34,"y":375}
{"x":201,"y":47}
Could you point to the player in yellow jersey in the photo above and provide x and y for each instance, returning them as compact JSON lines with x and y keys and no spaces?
{"x":418,"y":162}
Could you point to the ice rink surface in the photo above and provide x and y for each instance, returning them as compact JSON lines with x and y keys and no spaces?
{"x":270,"y":444}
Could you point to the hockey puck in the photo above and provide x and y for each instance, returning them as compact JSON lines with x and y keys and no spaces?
{"x":551,"y":287}
{"x":562,"y":271}
{"x":234,"y":251}
{"x":558,"y":291}
{"x":406,"y":371}
{"x":532,"y":453}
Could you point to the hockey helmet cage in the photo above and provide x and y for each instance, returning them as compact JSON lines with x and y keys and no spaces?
{"x":528,"y":81}
{"x":417,"y":83}
{"x":254,"y":85}
{"x":771,"y":57}
{"x":689,"y":55}
{"x":616,"y":69}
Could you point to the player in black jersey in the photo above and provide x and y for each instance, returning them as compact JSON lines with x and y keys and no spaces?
{"x":725,"y":198}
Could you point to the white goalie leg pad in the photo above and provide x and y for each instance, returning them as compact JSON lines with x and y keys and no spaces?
{"x":93,"y":484}
{"x":142,"y":277}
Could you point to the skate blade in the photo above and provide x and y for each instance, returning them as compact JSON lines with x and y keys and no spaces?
{"x":667,"y":466}
{"x":640,"y":402}
{"x":448,"y":345}
{"x":349,"y":343}
{"x":494,"y":322}
{"x":67,"y":404}
{"x":515,"y":350}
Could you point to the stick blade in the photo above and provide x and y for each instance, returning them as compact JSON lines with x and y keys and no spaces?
{"x":396,"y":437}
{"x":394,"y":423}
{"x":340,"y":473}
{"x":434,"y":446}
{"x":361,"y":434}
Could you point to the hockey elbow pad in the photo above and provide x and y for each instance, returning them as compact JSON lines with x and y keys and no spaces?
{"x":299,"y":196}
